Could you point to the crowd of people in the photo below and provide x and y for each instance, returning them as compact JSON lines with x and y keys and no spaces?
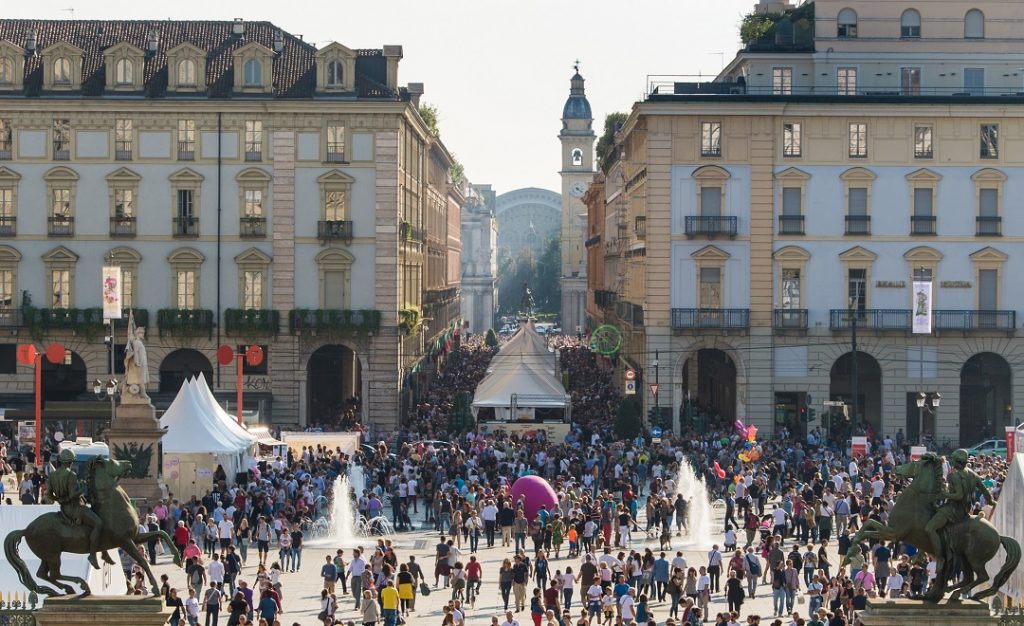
{"x":610,"y":551}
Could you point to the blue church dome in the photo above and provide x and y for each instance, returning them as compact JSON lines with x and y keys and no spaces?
{"x":577,"y":106}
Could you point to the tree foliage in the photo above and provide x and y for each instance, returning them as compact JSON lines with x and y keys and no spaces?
{"x":754,"y":26}
{"x":430,"y":117}
{"x":458,"y":172}
{"x":606,"y":144}
{"x":627,"y":421}
{"x":491,"y":338}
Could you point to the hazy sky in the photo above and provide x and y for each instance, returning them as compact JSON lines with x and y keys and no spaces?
{"x":497,"y":70}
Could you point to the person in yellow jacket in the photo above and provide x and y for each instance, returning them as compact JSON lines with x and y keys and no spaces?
{"x":389,"y":602}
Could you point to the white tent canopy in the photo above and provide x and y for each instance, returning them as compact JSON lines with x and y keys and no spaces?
{"x":230,"y":422}
{"x":524,"y":346}
{"x":522,"y":379}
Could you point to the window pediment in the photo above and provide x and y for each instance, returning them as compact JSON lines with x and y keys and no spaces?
{"x":923,"y":254}
{"x":253,"y":66}
{"x":186,"y":256}
{"x":857,"y":253}
{"x":791,"y":253}
{"x":191,"y":77}
{"x":793,"y":174}
{"x":858,"y":174}
{"x":711,"y":172}
{"x":253,"y":256}
{"x":989,"y":174}
{"x":710,"y":253}
{"x":335,"y":177}
{"x":60,"y":254}
{"x":988,"y":253}
{"x":335,"y":68}
{"x":253,"y":175}
{"x":62,"y":66}
{"x":123,"y":256}
{"x":9,"y":255}
{"x":60,"y":174}
{"x":332,"y":258}
{"x":186,"y":175}
{"x":924,"y":175}
{"x":9,"y":175}
{"x":12,"y":65}
{"x":124,"y":66}
{"x":123,"y":175}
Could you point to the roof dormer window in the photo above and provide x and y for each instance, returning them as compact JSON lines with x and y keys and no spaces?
{"x":186,"y":68}
{"x":335,"y":68}
{"x":6,"y":71}
{"x":124,"y":73}
{"x":253,"y":73}
{"x":12,"y":64}
{"x":62,"y":71}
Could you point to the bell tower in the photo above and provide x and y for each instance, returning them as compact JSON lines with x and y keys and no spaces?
{"x":577,"y":138}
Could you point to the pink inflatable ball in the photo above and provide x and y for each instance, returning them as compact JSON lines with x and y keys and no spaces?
{"x":535,"y":492}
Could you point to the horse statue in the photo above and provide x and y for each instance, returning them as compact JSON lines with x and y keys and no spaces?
{"x":51,"y":534}
{"x":973,"y":540}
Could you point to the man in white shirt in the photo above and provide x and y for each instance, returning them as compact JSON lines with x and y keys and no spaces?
{"x":489,"y":515}
{"x":627,"y":604}
{"x":215,"y":570}
{"x":679,"y":562}
{"x":225,"y":532}
{"x":356,"y":567}
{"x":510,"y":619}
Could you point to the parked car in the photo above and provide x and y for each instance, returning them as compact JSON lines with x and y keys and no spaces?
{"x":993,"y":447}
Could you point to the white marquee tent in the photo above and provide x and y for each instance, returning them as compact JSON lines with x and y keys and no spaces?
{"x":1008,"y":521}
{"x":198,"y":439}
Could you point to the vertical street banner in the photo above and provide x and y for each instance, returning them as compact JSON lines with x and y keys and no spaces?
{"x":111,"y":293}
{"x":1011,"y":443}
{"x":922,"y":307}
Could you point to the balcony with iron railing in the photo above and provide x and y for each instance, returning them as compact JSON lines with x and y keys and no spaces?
{"x":8,"y":226}
{"x":922,"y":224}
{"x":185,"y":226}
{"x":791,"y":224}
{"x":789,"y":319}
{"x":870,"y":319}
{"x":254,"y":152}
{"x":122,"y":226}
{"x":123,"y":151}
{"x":722,"y":319}
{"x":661,"y":87}
{"x":186,"y":151}
{"x":335,"y":152}
{"x":974,"y":321}
{"x":61,"y":151}
{"x":334,"y":229}
{"x":711,"y":226}
{"x":989,"y":226}
{"x":640,"y":226}
{"x":5,"y":150}
{"x":858,"y":224}
{"x":61,"y":226}
{"x":604,"y":298}
{"x":252,"y":226}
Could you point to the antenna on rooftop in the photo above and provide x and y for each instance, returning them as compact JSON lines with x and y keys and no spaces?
{"x":70,"y":10}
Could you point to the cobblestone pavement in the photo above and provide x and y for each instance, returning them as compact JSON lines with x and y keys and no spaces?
{"x":301,"y":590}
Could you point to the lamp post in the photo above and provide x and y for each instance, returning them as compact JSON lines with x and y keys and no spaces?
{"x":657,"y":388}
{"x":108,"y":389}
{"x":923,"y":399}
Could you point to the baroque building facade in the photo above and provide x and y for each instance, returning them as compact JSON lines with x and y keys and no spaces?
{"x":252,"y":188}
{"x":479,"y":259}
{"x":790,"y":206}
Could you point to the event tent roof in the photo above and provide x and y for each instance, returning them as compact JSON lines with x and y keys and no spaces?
{"x":192,"y":427}
{"x":525,"y":346}
{"x":543,"y":390}
{"x":230,"y":422}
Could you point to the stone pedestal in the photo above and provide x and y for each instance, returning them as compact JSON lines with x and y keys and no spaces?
{"x":903,"y":612}
{"x":134,"y":436}
{"x":106,"y":610}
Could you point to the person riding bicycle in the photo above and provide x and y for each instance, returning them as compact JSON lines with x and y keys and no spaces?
{"x":962,"y":485}
{"x":66,"y":490}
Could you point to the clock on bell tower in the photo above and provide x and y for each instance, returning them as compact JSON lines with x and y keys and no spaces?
{"x":577,"y":138}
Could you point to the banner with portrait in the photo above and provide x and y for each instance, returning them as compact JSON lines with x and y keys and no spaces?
{"x":921,"y":307}
{"x":111,"y":293}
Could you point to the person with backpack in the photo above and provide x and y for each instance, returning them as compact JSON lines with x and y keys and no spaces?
{"x":754,"y":571}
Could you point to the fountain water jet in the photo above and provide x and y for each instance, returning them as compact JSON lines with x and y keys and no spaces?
{"x":698,"y":513}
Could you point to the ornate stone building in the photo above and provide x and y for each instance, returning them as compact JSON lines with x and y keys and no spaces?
{"x":479,"y":259}
{"x":252,"y":188}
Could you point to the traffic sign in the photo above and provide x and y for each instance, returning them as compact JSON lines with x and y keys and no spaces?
{"x":655,"y":432}
{"x":630,"y":388}
{"x":630,"y":374}
{"x":834,"y":403}
{"x":654,"y":389}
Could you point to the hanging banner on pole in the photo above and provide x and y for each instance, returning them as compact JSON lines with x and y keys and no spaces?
{"x":922,"y":307}
{"x":1011,"y":443}
{"x":111,"y":293}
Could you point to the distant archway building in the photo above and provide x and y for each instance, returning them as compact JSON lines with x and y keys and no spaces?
{"x":527,"y":218}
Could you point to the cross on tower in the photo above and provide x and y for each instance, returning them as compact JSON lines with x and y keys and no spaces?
{"x":576,"y":66}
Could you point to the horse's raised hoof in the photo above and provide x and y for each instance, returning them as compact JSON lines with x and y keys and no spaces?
{"x":85,"y":594}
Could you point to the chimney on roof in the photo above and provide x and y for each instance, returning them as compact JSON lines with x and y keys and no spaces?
{"x":415,"y":91}
{"x":393,"y":54}
{"x":152,"y":41}
{"x":772,"y":7}
{"x":30,"y":41}
{"x":279,"y":41}
{"x":238,"y":27}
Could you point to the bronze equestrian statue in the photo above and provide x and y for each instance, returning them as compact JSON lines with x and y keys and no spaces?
{"x":936,"y":520}
{"x":110,"y":523}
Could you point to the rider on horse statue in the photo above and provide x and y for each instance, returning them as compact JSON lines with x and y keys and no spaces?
{"x":66,"y":490}
{"x":962,"y":485}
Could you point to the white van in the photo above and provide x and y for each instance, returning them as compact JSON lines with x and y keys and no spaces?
{"x":84,"y":448}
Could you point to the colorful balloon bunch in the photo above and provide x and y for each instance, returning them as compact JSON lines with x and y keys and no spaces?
{"x":751,"y":449}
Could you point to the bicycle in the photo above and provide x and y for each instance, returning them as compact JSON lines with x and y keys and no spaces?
{"x":472,"y":591}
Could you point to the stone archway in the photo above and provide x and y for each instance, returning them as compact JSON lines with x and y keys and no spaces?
{"x":334,"y":384}
{"x":710,"y":382}
{"x":182,"y":364}
{"x":64,"y":382}
{"x":986,"y":392}
{"x":869,"y":393}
